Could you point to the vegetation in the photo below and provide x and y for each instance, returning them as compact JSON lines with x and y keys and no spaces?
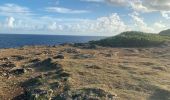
{"x":165,"y":32}
{"x":132,"y":39}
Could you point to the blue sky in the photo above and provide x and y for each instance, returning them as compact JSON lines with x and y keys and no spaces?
{"x":83,"y":17}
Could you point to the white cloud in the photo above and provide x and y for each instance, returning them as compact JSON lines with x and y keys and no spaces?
{"x":139,"y":23}
{"x":65,"y":10}
{"x":166,"y":14}
{"x":93,"y":0}
{"x":112,"y":2}
{"x":159,"y":25}
{"x":117,"y":2}
{"x":55,"y":27}
{"x":13,"y":9}
{"x":23,"y":20}
{"x":109,"y":25}
{"x":10,"y":22}
{"x":162,"y":6}
{"x":137,"y":5}
{"x":157,"y":5}
{"x":144,"y":6}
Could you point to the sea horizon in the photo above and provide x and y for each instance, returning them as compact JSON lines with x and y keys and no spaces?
{"x":20,"y":40}
{"x":53,"y":34}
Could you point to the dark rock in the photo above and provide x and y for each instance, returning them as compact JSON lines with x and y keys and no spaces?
{"x":59,"y":56}
{"x":46,"y":62}
{"x":35,"y":60}
{"x":55,"y":85}
{"x":64,"y":74}
{"x":29,"y":69}
{"x":4,"y":59}
{"x":64,"y":96}
{"x":8,"y":65}
{"x":86,"y":94}
{"x":18,"y":71}
{"x":33,"y":82}
{"x":108,"y":55}
{"x":17,"y":57}
{"x":60,"y":70}
{"x":39,"y":94}
{"x":46,"y":65}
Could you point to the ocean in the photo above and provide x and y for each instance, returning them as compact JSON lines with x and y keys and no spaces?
{"x":18,"y":40}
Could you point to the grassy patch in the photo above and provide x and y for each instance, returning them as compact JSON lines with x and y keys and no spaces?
{"x":132,"y":39}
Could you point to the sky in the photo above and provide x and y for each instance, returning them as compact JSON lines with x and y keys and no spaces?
{"x":83,"y":17}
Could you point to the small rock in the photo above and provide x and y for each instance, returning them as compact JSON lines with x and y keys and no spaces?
{"x":39,"y":94}
{"x":93,"y":66}
{"x":8,"y":64}
{"x":29,"y":69}
{"x":93,"y":94}
{"x":108,"y":55}
{"x":18,"y":71}
{"x":4,"y":59}
{"x":64,"y":74}
{"x":35,"y":60}
{"x":59,"y":56}
{"x":4,"y":74}
{"x":71,"y":50}
{"x":17,"y":57}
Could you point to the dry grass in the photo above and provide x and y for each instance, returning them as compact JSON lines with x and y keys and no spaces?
{"x":129,"y":73}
